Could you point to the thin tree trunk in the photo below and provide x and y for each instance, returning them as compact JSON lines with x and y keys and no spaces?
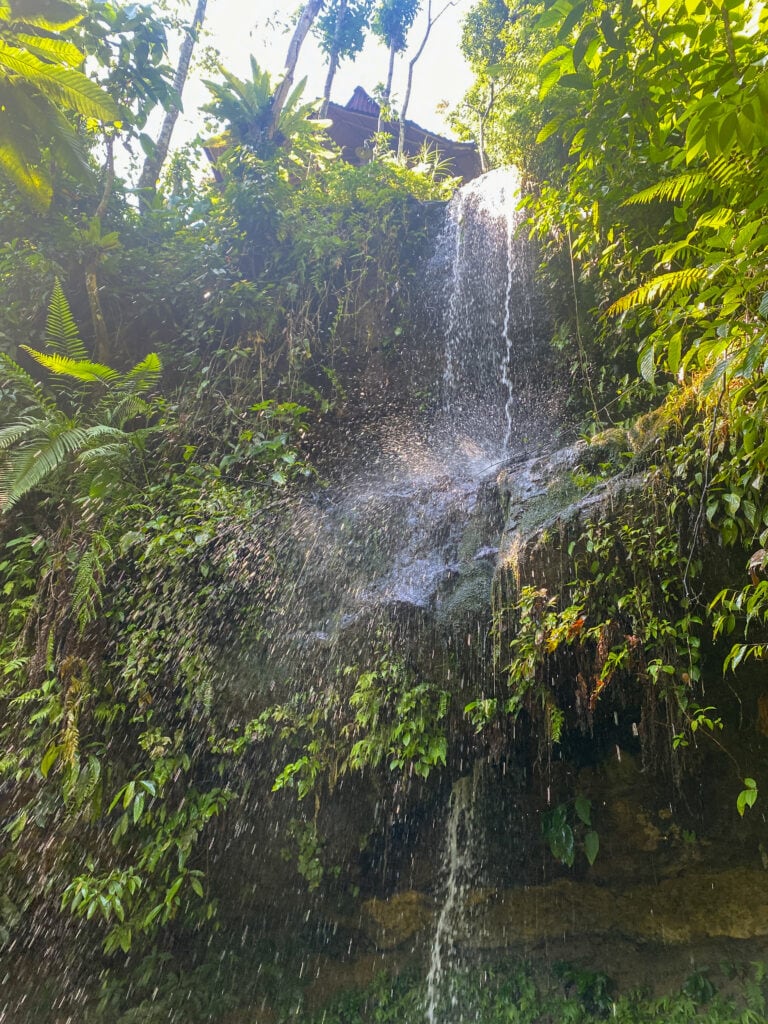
{"x":311,"y":10}
{"x":153,"y":164}
{"x":102,"y":347}
{"x":388,"y":87}
{"x":333,"y":61}
{"x":431,"y":22}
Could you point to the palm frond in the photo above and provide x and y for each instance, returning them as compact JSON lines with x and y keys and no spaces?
{"x":675,"y":281}
{"x":61,"y":333}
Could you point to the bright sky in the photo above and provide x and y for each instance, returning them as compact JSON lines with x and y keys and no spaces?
{"x":263,"y":28}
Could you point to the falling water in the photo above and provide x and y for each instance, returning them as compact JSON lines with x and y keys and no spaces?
{"x":390,"y":530}
{"x":488,"y":324}
{"x":457,"y":869}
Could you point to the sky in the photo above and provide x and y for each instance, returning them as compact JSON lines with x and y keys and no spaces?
{"x":263,"y":28}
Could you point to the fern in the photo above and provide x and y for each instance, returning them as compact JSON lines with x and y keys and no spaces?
{"x":144,"y":375}
{"x":89,"y":579}
{"x":11,"y":435}
{"x":128,"y":408}
{"x":79,"y":369}
{"x":688,"y":185}
{"x":33,"y":463}
{"x":16,"y":375}
{"x":62,"y":335}
{"x":675,"y":281}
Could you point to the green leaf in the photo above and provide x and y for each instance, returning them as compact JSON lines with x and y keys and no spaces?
{"x":591,"y":846}
{"x":747,"y":797}
{"x":673,"y":352}
{"x":647,"y":364}
{"x":583,"y":808}
{"x":48,"y":759}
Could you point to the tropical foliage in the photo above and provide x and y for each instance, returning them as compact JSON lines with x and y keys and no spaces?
{"x":40,"y":78}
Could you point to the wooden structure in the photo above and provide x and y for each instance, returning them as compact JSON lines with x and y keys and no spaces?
{"x":355,"y":124}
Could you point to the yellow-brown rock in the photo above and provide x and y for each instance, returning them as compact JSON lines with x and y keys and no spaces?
{"x":391,"y":922}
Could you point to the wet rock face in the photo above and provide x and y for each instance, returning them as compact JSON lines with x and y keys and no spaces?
{"x":687,"y":909}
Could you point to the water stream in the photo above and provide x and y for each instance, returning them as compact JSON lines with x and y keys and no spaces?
{"x":457,"y":870}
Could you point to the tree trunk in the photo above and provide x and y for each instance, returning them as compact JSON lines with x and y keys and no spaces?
{"x":333,"y":60}
{"x":311,"y":10}
{"x":431,"y":22}
{"x":154,"y":164}
{"x":388,"y":87}
{"x":102,"y":347}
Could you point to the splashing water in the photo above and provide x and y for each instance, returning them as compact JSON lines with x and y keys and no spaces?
{"x":391,"y":529}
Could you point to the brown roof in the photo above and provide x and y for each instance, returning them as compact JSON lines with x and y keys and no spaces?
{"x":354,"y":125}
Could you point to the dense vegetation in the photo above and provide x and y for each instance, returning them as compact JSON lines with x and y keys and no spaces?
{"x":167,"y":367}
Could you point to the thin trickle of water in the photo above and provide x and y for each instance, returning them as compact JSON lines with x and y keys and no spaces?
{"x":457,"y":868}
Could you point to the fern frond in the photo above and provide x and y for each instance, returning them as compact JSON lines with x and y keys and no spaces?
{"x":682,"y":186}
{"x":62,"y":335}
{"x":727,"y":170}
{"x":716,"y":218}
{"x":62,"y":85}
{"x":18,"y":376}
{"x":129,"y":407}
{"x":89,"y":579}
{"x":31,"y":465}
{"x":58,"y":51}
{"x":144,"y":375}
{"x":105,"y":452}
{"x":79,"y":369}
{"x":676,"y":280}
{"x":25,"y":175}
{"x":15,"y":432}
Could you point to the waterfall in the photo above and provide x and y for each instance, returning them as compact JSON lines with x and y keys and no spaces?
{"x":390,"y":530}
{"x":484,"y":274}
{"x":457,"y":869}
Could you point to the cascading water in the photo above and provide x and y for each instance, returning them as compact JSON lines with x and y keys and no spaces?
{"x":457,"y":868}
{"x":411,"y":521}
{"x":389,"y":531}
{"x":484,"y":275}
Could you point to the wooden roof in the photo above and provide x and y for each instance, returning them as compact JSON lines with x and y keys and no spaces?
{"x":354,"y":126}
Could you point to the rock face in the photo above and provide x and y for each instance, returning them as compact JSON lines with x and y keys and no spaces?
{"x":687,"y":909}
